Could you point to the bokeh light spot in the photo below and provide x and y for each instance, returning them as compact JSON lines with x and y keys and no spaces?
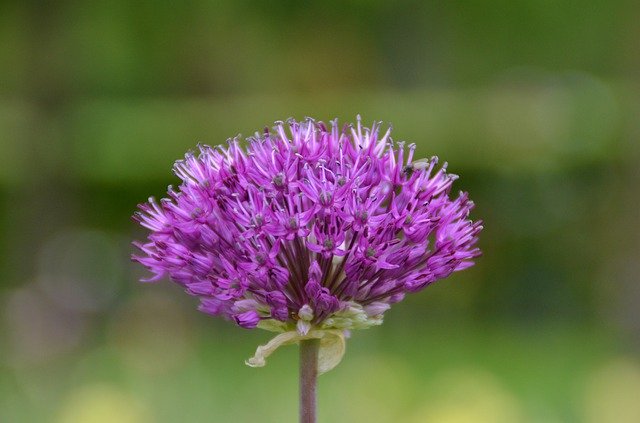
{"x":612,"y":394}
{"x":102,"y":404}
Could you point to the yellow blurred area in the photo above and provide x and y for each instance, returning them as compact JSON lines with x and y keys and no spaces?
{"x":468,"y":396}
{"x":102,"y":404}
{"x":611,"y":393}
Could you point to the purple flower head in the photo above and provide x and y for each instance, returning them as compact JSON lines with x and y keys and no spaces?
{"x":308,"y":226}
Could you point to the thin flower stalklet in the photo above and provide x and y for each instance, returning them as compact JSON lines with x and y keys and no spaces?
{"x":310,"y":231}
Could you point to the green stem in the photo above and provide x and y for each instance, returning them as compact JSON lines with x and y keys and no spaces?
{"x":308,"y":378}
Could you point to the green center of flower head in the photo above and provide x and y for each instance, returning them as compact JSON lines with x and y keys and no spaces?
{"x":408,"y":220}
{"x":258,"y":220}
{"x":325,"y":198}
{"x":278,"y":180}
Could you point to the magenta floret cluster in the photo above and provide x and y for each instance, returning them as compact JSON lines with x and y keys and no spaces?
{"x":305,"y":222}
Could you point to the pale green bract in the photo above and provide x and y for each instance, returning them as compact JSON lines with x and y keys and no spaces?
{"x":351,"y":317}
{"x":331,"y":334}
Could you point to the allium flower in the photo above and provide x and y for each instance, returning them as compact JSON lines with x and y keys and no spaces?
{"x":309,"y":227}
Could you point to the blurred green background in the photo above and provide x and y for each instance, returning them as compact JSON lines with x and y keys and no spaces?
{"x":534,"y":103}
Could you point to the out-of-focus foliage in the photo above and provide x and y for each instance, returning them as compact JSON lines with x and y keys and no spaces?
{"x":534,"y":103}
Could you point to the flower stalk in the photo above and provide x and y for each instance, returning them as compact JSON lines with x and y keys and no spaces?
{"x":308,"y":379}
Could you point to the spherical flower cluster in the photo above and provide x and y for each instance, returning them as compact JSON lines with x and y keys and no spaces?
{"x":311,"y":226}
